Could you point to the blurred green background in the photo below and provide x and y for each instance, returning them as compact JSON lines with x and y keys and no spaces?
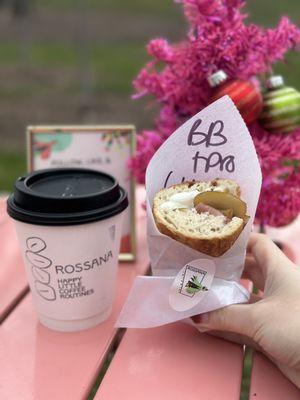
{"x":72,"y":62}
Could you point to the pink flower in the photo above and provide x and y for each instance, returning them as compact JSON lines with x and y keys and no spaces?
{"x":147,"y":144}
{"x":286,"y":36}
{"x":275,"y":150}
{"x":167,"y":121}
{"x":279,"y":201}
{"x":279,"y":157}
{"x":219,"y":38}
{"x":160,"y":49}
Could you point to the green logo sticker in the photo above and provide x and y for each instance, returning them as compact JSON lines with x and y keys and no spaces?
{"x":194,"y":286}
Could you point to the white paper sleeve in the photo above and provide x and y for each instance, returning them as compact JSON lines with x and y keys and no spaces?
{"x":215,"y":143}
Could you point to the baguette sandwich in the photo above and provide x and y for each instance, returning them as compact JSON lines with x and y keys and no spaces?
{"x":206,"y":216}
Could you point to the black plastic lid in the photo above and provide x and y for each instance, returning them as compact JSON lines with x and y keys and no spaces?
{"x":66,"y":196}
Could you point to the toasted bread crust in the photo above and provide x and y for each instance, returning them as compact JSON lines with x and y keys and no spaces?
{"x":214,"y":247}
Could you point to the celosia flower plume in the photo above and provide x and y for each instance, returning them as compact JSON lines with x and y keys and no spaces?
{"x":219,"y":38}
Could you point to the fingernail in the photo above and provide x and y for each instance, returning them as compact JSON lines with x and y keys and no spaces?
{"x":201,"y":322}
{"x":196,"y":319}
{"x":201,"y":318}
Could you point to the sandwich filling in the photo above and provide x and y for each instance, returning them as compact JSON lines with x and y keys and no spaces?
{"x":182,"y":211}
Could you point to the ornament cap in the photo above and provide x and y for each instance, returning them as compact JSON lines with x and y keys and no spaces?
{"x":274,"y":82}
{"x":217,"y":78}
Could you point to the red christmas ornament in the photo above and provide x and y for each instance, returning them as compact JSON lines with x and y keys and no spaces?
{"x":244,"y":94}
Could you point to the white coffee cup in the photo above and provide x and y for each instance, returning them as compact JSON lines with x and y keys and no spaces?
{"x":68,"y":223}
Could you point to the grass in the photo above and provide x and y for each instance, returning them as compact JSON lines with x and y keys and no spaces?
{"x":12,"y":165}
{"x":113,"y":65}
{"x":289,"y":69}
{"x":268,"y":12}
{"x":116,"y":66}
{"x":17,"y":91}
{"x":117,"y":63}
{"x":54,"y":55}
{"x":100,"y":377}
{"x":149,"y":7}
{"x":9,"y":53}
{"x":246,"y":378}
{"x":264,"y":12}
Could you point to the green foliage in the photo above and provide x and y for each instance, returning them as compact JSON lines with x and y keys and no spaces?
{"x":268,"y":12}
{"x":9,"y":53}
{"x":246,"y":378}
{"x":116,"y":66}
{"x":289,"y":69}
{"x":53,"y":54}
{"x":152,"y":7}
{"x":12,"y":165}
{"x":114,"y":62}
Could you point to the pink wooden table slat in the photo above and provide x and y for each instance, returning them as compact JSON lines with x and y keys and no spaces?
{"x":173,"y":362}
{"x":37,"y":363}
{"x":267,"y":382}
{"x":12,"y":274}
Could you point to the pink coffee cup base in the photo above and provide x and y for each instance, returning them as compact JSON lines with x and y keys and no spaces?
{"x":74,"y":325}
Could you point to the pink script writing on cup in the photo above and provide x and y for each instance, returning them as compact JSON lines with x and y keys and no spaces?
{"x":39,"y":265}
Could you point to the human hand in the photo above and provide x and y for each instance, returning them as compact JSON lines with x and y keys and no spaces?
{"x":270,"y":323}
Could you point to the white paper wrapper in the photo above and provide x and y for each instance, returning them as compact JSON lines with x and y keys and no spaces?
{"x":215,"y":143}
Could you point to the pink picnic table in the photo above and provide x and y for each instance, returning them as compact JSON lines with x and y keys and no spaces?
{"x":170,"y":362}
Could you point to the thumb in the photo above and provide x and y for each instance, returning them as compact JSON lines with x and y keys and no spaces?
{"x":237,"y":318}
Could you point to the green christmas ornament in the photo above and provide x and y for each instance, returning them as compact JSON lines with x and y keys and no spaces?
{"x":281,"y":107}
